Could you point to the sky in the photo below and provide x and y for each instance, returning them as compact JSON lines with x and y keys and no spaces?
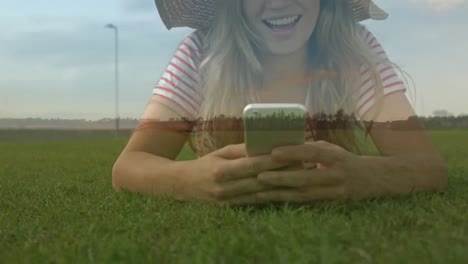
{"x":57,"y":57}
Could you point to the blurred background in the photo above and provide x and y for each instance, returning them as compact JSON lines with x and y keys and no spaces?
{"x":57,"y":56}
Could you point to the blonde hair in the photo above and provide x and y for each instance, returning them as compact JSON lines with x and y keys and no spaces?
{"x":232,"y":70}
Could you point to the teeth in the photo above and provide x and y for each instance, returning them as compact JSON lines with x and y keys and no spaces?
{"x":282,"y":21}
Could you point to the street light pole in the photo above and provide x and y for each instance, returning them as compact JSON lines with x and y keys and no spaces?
{"x":116,"y":30}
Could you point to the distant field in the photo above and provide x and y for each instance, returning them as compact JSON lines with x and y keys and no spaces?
{"x":57,"y":205}
{"x":18,"y":135}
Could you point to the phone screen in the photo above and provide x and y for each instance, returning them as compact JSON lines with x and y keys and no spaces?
{"x":267,"y":126}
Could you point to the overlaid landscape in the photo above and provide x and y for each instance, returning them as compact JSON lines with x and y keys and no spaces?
{"x":58,"y":205}
{"x":79,"y":79}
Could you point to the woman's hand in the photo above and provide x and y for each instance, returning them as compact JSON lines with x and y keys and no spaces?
{"x":339,"y":174}
{"x":227,"y":177}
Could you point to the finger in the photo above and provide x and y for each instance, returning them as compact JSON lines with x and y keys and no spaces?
{"x":294,"y":165}
{"x":302,"y":178}
{"x":319,"y":151}
{"x":250,"y":167}
{"x":300,"y":195}
{"x":234,"y":151}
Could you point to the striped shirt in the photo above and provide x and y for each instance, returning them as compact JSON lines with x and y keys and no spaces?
{"x":178,"y":84}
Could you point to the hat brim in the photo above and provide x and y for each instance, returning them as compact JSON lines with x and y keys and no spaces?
{"x":198,"y":14}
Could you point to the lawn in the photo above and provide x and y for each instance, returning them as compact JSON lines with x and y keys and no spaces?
{"x":57,"y":205}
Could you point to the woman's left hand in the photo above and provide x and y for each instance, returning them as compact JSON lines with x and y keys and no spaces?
{"x":335,"y":178}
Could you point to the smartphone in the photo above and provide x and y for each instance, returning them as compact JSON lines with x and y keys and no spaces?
{"x":268,"y":126}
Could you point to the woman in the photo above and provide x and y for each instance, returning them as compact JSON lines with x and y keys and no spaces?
{"x":246,"y":51}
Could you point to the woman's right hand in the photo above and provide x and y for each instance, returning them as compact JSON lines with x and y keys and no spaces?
{"x":226,"y":177}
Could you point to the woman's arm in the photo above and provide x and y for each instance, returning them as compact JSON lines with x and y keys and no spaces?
{"x":398,"y":175}
{"x":411,"y":163}
{"x":148,"y":165}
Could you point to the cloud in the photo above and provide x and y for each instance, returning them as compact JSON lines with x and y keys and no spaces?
{"x":441,"y":5}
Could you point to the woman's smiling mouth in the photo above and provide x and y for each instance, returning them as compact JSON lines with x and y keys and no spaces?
{"x":282,"y":24}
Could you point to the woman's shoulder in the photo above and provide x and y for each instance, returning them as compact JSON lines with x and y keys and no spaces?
{"x":365,"y":33}
{"x":193,"y":43}
{"x":372,"y":43}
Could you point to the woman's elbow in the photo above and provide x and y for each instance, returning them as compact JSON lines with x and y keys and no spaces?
{"x":117,"y":175}
{"x":432,"y":174}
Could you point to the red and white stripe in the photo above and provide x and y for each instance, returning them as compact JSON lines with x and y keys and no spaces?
{"x":391,"y":82}
{"x":179,"y":82}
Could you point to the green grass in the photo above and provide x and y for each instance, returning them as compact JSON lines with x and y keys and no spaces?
{"x":57,"y":205}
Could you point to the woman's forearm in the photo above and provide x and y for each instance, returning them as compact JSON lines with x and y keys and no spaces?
{"x":398,"y":175}
{"x":148,"y":174}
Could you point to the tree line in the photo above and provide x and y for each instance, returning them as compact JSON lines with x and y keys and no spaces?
{"x":320,"y":120}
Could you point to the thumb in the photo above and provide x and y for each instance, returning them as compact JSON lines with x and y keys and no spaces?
{"x":234,"y":151}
